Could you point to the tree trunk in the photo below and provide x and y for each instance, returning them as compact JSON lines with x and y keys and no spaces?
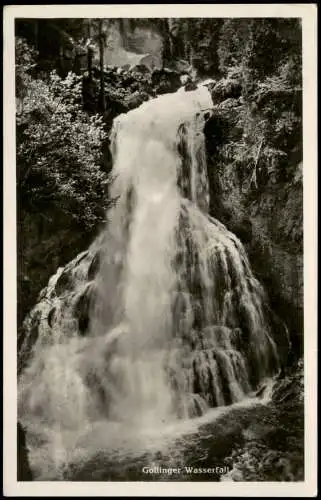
{"x":36,"y":41}
{"x":89,"y":52}
{"x":166,"y":49}
{"x":36,"y":34}
{"x":101,"y":64}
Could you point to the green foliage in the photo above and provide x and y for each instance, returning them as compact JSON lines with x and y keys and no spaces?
{"x":61,"y":184}
{"x":196,"y":41}
{"x":257,"y":47}
{"x":25,"y":57}
{"x":58,"y":147}
{"x":264,"y":57}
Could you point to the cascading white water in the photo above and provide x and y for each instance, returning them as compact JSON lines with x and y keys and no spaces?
{"x":143,"y":227}
{"x":177,"y":321}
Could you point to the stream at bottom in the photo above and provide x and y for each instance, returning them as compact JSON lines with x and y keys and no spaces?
{"x":191,"y":450}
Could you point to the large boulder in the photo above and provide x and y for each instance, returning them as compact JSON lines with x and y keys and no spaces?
{"x":225,"y":88}
{"x":165,"y":80}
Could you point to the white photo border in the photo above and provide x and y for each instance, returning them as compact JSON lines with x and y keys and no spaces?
{"x":306,"y":488}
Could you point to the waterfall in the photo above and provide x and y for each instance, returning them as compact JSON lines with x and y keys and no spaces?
{"x":162,"y":318}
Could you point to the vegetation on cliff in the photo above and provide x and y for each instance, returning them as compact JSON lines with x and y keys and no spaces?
{"x":254,"y":144}
{"x":267,"y":85}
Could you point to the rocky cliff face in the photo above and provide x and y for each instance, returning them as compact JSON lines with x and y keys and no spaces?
{"x":126,"y":44}
{"x":263,"y":206}
{"x":270,"y":229}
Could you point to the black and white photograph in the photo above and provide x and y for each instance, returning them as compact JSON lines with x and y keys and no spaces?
{"x":160,"y":273}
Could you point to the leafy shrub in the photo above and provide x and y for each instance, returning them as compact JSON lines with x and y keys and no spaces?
{"x":59,"y":148}
{"x":61,"y":184}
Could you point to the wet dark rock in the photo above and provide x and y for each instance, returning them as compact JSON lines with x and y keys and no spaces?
{"x":198,"y":408}
{"x":140,"y":69}
{"x":82,"y":309}
{"x":94,"y":267}
{"x":63,"y":282}
{"x":24,"y":472}
{"x":135,"y":99}
{"x":165,"y":81}
{"x":224,"y":378}
{"x":237,"y":339}
{"x":190,"y":86}
{"x":226,"y":88}
{"x":27,"y":338}
{"x":290,"y":384}
{"x":179,"y":66}
{"x":260,"y":391}
{"x":51,"y":316}
{"x":273,"y":435}
{"x":228,"y":105}
{"x":243,"y":229}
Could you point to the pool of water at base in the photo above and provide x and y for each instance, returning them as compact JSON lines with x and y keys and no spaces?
{"x":191,"y":450}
